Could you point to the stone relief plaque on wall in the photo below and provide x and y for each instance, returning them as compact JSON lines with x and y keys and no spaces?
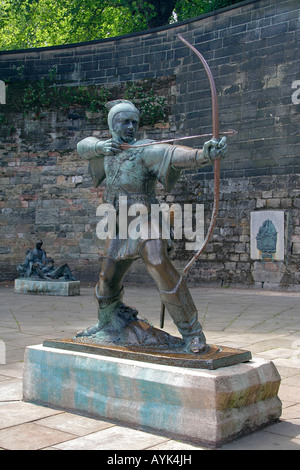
{"x":267,"y":235}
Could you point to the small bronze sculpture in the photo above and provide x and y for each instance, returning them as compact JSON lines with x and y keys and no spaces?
{"x":134,"y":172}
{"x":267,"y":240}
{"x":38,"y":266}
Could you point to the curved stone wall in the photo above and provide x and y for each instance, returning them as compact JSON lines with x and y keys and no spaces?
{"x":252,"y":49}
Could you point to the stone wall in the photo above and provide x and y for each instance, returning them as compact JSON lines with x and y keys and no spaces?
{"x":252,"y":49}
{"x":227,"y":261}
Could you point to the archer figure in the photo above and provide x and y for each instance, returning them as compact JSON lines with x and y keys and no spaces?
{"x":134,"y":172}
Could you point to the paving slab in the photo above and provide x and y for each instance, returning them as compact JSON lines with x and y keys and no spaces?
{"x":15,"y":413}
{"x":260,"y":320}
{"x":14,"y":369}
{"x":293,"y":380}
{"x":31,"y":436}
{"x":74,"y":424}
{"x":289,"y":393}
{"x":114,"y":438}
{"x":291,"y":412}
{"x":263,"y":440}
{"x":284,"y":428}
{"x":3,"y":378}
{"x":176,"y":445}
{"x":11,"y":389}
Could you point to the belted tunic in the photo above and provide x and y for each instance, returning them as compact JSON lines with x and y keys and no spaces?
{"x":134,"y":173}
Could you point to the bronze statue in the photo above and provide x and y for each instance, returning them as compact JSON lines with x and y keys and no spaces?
{"x":38,"y":266}
{"x":132,"y":168}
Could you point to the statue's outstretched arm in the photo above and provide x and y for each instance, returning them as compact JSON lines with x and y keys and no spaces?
{"x":186,"y":157}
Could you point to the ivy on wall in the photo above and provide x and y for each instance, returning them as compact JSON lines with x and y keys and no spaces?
{"x":49,"y":94}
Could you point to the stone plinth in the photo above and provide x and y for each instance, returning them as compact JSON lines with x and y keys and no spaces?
{"x":202,"y":406}
{"x":42,"y":287}
{"x":268,"y":274}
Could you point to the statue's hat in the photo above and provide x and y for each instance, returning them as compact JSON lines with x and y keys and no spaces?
{"x":119,"y":106}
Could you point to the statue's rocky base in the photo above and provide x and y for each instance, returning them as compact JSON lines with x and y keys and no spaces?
{"x":47,"y":287}
{"x":212,"y":358}
{"x":127,"y":336}
{"x":207,"y":407}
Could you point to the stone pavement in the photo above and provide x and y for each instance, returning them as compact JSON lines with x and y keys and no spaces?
{"x":265,"y":322}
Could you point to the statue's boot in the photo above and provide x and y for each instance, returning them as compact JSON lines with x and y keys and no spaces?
{"x":184,"y":313}
{"x":119,"y":324}
{"x":107,"y":306}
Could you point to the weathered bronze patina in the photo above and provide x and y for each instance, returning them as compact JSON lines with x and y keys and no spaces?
{"x":134,"y":173}
{"x":37,"y":265}
{"x":214,"y":357}
{"x":267,"y":240}
{"x":131,"y":169}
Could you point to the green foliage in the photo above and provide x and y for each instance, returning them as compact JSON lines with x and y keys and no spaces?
{"x":44,"y":94}
{"x":186,"y":9}
{"x":2,"y":118}
{"x":216,"y":4}
{"x":47,"y":94}
{"x":31,"y":23}
{"x":36,"y":23}
{"x":151,"y":106}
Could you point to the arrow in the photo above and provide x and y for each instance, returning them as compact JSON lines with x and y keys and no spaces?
{"x":125,"y":146}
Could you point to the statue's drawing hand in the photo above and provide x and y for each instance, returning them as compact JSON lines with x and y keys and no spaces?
{"x":109,"y":147}
{"x":215,"y":148}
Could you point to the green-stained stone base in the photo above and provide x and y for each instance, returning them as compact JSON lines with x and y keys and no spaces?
{"x":208,"y":407}
{"x":42,"y":287}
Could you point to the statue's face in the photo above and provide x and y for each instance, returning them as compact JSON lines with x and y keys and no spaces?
{"x":125,"y":126}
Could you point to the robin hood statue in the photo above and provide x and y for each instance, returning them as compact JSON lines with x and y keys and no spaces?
{"x":132,"y":169}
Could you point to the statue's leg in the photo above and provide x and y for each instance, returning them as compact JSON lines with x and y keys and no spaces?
{"x":174,"y":294}
{"x":55,"y":273}
{"x":108,"y":292}
{"x":64,"y":271}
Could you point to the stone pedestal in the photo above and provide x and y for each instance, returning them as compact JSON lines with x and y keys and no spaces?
{"x":268,"y":274}
{"x":42,"y":287}
{"x":208,"y":407}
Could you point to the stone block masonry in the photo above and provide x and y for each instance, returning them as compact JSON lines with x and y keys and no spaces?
{"x":226,"y":260}
{"x":252,"y":49}
{"x":205,"y":407}
{"x":42,"y":287}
